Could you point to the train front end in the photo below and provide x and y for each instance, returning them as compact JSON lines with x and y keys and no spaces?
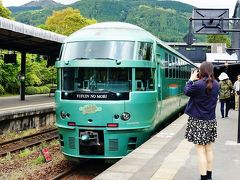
{"x":106,"y":99}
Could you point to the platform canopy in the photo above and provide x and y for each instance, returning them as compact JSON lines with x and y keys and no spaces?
{"x":221,"y":57}
{"x":25,"y":38}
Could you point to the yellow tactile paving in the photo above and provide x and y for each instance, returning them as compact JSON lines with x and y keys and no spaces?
{"x":173,"y":162}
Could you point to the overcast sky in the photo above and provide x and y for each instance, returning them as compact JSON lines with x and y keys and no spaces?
{"x":229,"y":4}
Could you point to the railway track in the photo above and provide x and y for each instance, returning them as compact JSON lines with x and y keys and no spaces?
{"x":27,"y":141}
{"x":64,"y":174}
{"x":85,"y":170}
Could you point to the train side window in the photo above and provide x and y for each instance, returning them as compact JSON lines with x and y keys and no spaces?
{"x":144,"y":51}
{"x":145,"y":79}
{"x":181,"y":68}
{"x":189,"y":71}
{"x":166,"y":65}
{"x":158,"y":57}
{"x":186,"y":73}
{"x":170,"y":66}
{"x":68,"y":75}
{"x":177,"y":67}
{"x":174,"y":67}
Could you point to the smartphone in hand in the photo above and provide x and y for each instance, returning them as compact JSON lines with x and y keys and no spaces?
{"x":195,"y":75}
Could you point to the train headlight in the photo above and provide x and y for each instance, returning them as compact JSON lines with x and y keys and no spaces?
{"x":63,"y":115}
{"x":85,"y":137}
{"x":116,"y":116}
{"x":125,"y":116}
{"x":68,"y":115}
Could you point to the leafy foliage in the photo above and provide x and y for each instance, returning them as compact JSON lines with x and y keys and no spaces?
{"x":166,"y":19}
{"x":37,"y":74}
{"x":2,"y":90}
{"x":219,"y":39}
{"x":67,"y":21}
{"x":4,"y":12}
{"x":15,"y":9}
{"x":43,"y":3}
{"x":25,"y":152}
{"x":44,"y":89}
{"x":30,"y":90}
{"x":9,"y":77}
{"x":39,"y":160}
{"x":33,"y":17}
{"x":161,"y":21}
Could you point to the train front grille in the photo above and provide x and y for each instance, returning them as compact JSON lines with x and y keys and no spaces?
{"x":132,"y":144}
{"x":113,"y":144}
{"x":71,"y":142}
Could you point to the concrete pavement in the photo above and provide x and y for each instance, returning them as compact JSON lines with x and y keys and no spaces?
{"x":168,"y":156}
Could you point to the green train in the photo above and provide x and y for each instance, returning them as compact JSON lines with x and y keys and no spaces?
{"x":116,"y":84}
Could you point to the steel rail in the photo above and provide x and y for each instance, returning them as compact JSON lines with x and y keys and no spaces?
{"x":27,"y":141}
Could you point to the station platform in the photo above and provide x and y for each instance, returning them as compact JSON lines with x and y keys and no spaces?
{"x":169,"y":156}
{"x":37,"y":111}
{"x":12,"y":105}
{"x":13,"y":102}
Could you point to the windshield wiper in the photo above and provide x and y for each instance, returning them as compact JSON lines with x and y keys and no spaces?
{"x":107,"y":58}
{"x":118,"y":61}
{"x":106,"y":90}
{"x":79,"y":58}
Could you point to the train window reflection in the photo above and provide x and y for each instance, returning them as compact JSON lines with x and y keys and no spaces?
{"x":170,"y":65}
{"x":97,"y":79}
{"x":166,"y":63}
{"x":145,"y":79}
{"x":98,"y":49}
{"x":144,"y":51}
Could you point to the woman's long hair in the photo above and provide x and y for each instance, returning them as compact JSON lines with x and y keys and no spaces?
{"x":206,"y":71}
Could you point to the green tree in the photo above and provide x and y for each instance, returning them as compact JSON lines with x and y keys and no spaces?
{"x":9,"y":77}
{"x":219,"y":38}
{"x":4,"y":12}
{"x":37,"y":72}
{"x":67,"y":21}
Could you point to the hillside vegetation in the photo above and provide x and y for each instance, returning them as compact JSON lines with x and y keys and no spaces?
{"x":167,"y":20}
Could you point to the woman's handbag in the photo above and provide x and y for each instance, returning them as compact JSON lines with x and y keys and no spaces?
{"x":238,"y":92}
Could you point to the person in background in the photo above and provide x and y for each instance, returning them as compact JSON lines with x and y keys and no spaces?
{"x":236,"y":88}
{"x":203,"y":89}
{"x":225,"y":93}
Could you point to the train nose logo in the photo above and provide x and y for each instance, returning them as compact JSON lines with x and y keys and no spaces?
{"x":90,"y":109}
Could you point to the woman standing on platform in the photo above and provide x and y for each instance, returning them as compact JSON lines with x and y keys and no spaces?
{"x":203,"y":91}
{"x":225,"y":93}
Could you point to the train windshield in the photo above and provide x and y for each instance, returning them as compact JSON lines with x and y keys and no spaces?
{"x":98,"y":49}
{"x":96,"y":79}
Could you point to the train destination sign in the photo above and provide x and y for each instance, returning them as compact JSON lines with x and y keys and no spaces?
{"x":95,"y":95}
{"x":92,"y":96}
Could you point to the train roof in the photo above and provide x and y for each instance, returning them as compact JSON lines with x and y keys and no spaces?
{"x":110,"y":31}
{"x":117,"y":31}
